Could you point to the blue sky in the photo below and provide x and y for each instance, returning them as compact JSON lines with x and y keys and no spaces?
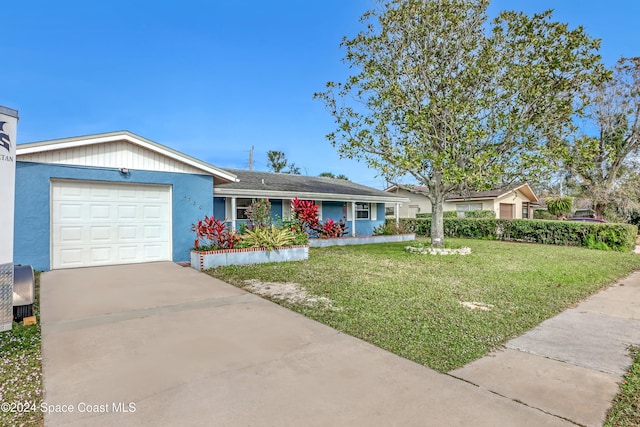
{"x":213,"y":78}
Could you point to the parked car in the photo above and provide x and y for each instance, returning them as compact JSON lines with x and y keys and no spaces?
{"x":583,"y":219}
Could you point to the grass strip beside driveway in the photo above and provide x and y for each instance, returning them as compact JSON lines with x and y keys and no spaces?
{"x":440,"y":311}
{"x":21,"y":372}
{"x":625,"y":411}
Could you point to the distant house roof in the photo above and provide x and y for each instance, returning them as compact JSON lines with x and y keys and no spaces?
{"x":475,"y":195}
{"x":30,"y":151}
{"x":253,"y":184}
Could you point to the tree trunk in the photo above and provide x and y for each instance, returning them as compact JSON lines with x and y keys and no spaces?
{"x":437,"y":208}
{"x":437,"y":223}
{"x":599,"y":209}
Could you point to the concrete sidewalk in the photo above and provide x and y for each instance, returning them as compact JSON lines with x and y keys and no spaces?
{"x":184,"y":349}
{"x":571,"y":365}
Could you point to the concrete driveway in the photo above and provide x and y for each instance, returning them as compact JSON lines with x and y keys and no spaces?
{"x":163,"y":345}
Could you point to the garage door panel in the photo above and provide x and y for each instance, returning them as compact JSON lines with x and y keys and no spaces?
{"x":506,"y":210}
{"x":153,"y":252}
{"x":127,"y":232}
{"x":109,"y":223}
{"x":153,"y":232}
{"x":68,"y":211}
{"x":101,"y":233}
{"x":68,"y":193}
{"x":152,"y":196}
{"x":100,"y":255}
{"x":127,"y":194}
{"x":152,"y":213}
{"x":71,"y":257}
{"x":99,"y":212}
{"x":128,"y":253}
{"x":98,"y":193}
{"x":70,"y":234}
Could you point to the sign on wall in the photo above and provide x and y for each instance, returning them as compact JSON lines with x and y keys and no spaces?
{"x":8,"y":126}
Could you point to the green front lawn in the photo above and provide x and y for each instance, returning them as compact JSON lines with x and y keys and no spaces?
{"x":411,"y":304}
{"x":21,"y":372}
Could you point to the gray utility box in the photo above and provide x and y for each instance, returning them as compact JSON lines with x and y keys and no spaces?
{"x":23,"y":292}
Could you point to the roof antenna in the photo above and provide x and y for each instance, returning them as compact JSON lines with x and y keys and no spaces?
{"x":262,"y":179}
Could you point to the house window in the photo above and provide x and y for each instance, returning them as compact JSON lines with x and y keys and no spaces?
{"x":461,"y":208}
{"x":466,"y":207}
{"x":389,"y":211}
{"x":362,"y":211}
{"x":525,"y":211}
{"x":241,"y":208}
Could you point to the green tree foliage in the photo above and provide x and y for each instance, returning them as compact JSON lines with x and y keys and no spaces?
{"x":332,"y":175}
{"x":559,"y":206}
{"x":276,"y":161}
{"x":259,"y":213}
{"x":293,"y":169}
{"x":458,"y":104}
{"x":604,"y":157}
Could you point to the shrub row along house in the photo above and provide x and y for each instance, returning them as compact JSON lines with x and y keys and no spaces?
{"x":511,"y":202}
{"x":118,"y":198}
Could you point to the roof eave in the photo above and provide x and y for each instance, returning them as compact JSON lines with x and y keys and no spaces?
{"x":277,"y":194}
{"x":475,"y":199}
{"x":65,"y":143}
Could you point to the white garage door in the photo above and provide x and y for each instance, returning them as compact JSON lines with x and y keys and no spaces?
{"x":103,"y":223}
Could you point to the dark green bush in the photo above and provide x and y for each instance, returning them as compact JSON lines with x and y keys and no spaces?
{"x":619,"y":237}
{"x":484,"y":214}
{"x":390,"y":228}
{"x":542,"y":214}
{"x":446,"y":214}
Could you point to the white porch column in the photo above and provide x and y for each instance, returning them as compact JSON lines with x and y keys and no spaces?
{"x":397,"y":213}
{"x":233,"y":213}
{"x":353,"y":219}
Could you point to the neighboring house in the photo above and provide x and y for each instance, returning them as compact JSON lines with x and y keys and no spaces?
{"x":363,"y":207}
{"x":118,"y":198}
{"x":514,"y":201}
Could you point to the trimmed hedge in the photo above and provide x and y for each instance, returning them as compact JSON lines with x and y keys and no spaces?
{"x":483,"y":214}
{"x":542,"y":214}
{"x":446,"y":214}
{"x":619,"y":237}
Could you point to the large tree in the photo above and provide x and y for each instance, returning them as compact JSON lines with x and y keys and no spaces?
{"x":604,"y":157}
{"x":277,"y":162}
{"x":456,"y":103}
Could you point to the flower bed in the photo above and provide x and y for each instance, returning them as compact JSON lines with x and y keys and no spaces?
{"x":360,"y":240}
{"x":211,"y":259}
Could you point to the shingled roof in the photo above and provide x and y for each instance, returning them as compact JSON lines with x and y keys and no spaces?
{"x":477,"y":195}
{"x":286,"y":186}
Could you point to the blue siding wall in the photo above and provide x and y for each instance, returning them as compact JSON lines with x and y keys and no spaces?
{"x":192,"y":200}
{"x":365,"y":228}
{"x":219,"y":210}
{"x":335,"y":211}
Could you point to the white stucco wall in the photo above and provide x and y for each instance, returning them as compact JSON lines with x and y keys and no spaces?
{"x":417,"y":204}
{"x":420,"y":203}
